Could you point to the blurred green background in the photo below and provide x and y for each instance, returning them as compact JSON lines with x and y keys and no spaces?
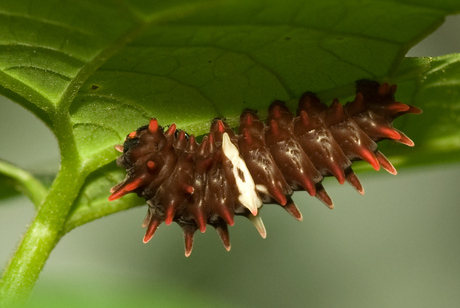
{"x":396,"y":246}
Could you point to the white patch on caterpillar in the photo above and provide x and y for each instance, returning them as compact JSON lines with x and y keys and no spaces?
{"x":262,"y":188}
{"x":246,"y":186}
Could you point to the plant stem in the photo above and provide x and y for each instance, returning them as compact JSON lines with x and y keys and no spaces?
{"x":31,"y":186}
{"x":43,"y":234}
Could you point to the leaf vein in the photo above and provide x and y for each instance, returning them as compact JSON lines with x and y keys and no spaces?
{"x":38,"y":69}
{"x":46,"y":21}
{"x":25,"y":47}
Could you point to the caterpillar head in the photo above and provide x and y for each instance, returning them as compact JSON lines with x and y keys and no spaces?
{"x":147,"y":158}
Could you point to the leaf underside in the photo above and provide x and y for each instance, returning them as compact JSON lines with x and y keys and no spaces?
{"x":109,"y":66}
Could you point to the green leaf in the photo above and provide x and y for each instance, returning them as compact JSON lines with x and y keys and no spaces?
{"x":437,"y":92}
{"x":93,"y":72}
{"x":226,"y":57}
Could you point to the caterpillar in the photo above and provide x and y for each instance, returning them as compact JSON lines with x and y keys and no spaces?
{"x":230,"y":174}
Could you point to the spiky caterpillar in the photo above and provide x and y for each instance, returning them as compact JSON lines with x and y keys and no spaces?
{"x":228,"y":174}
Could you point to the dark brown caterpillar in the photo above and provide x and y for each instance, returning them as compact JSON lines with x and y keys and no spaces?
{"x":227,"y":174}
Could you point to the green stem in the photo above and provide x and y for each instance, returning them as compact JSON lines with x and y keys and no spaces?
{"x":31,"y":186}
{"x":47,"y":227}
{"x":43,"y":234}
